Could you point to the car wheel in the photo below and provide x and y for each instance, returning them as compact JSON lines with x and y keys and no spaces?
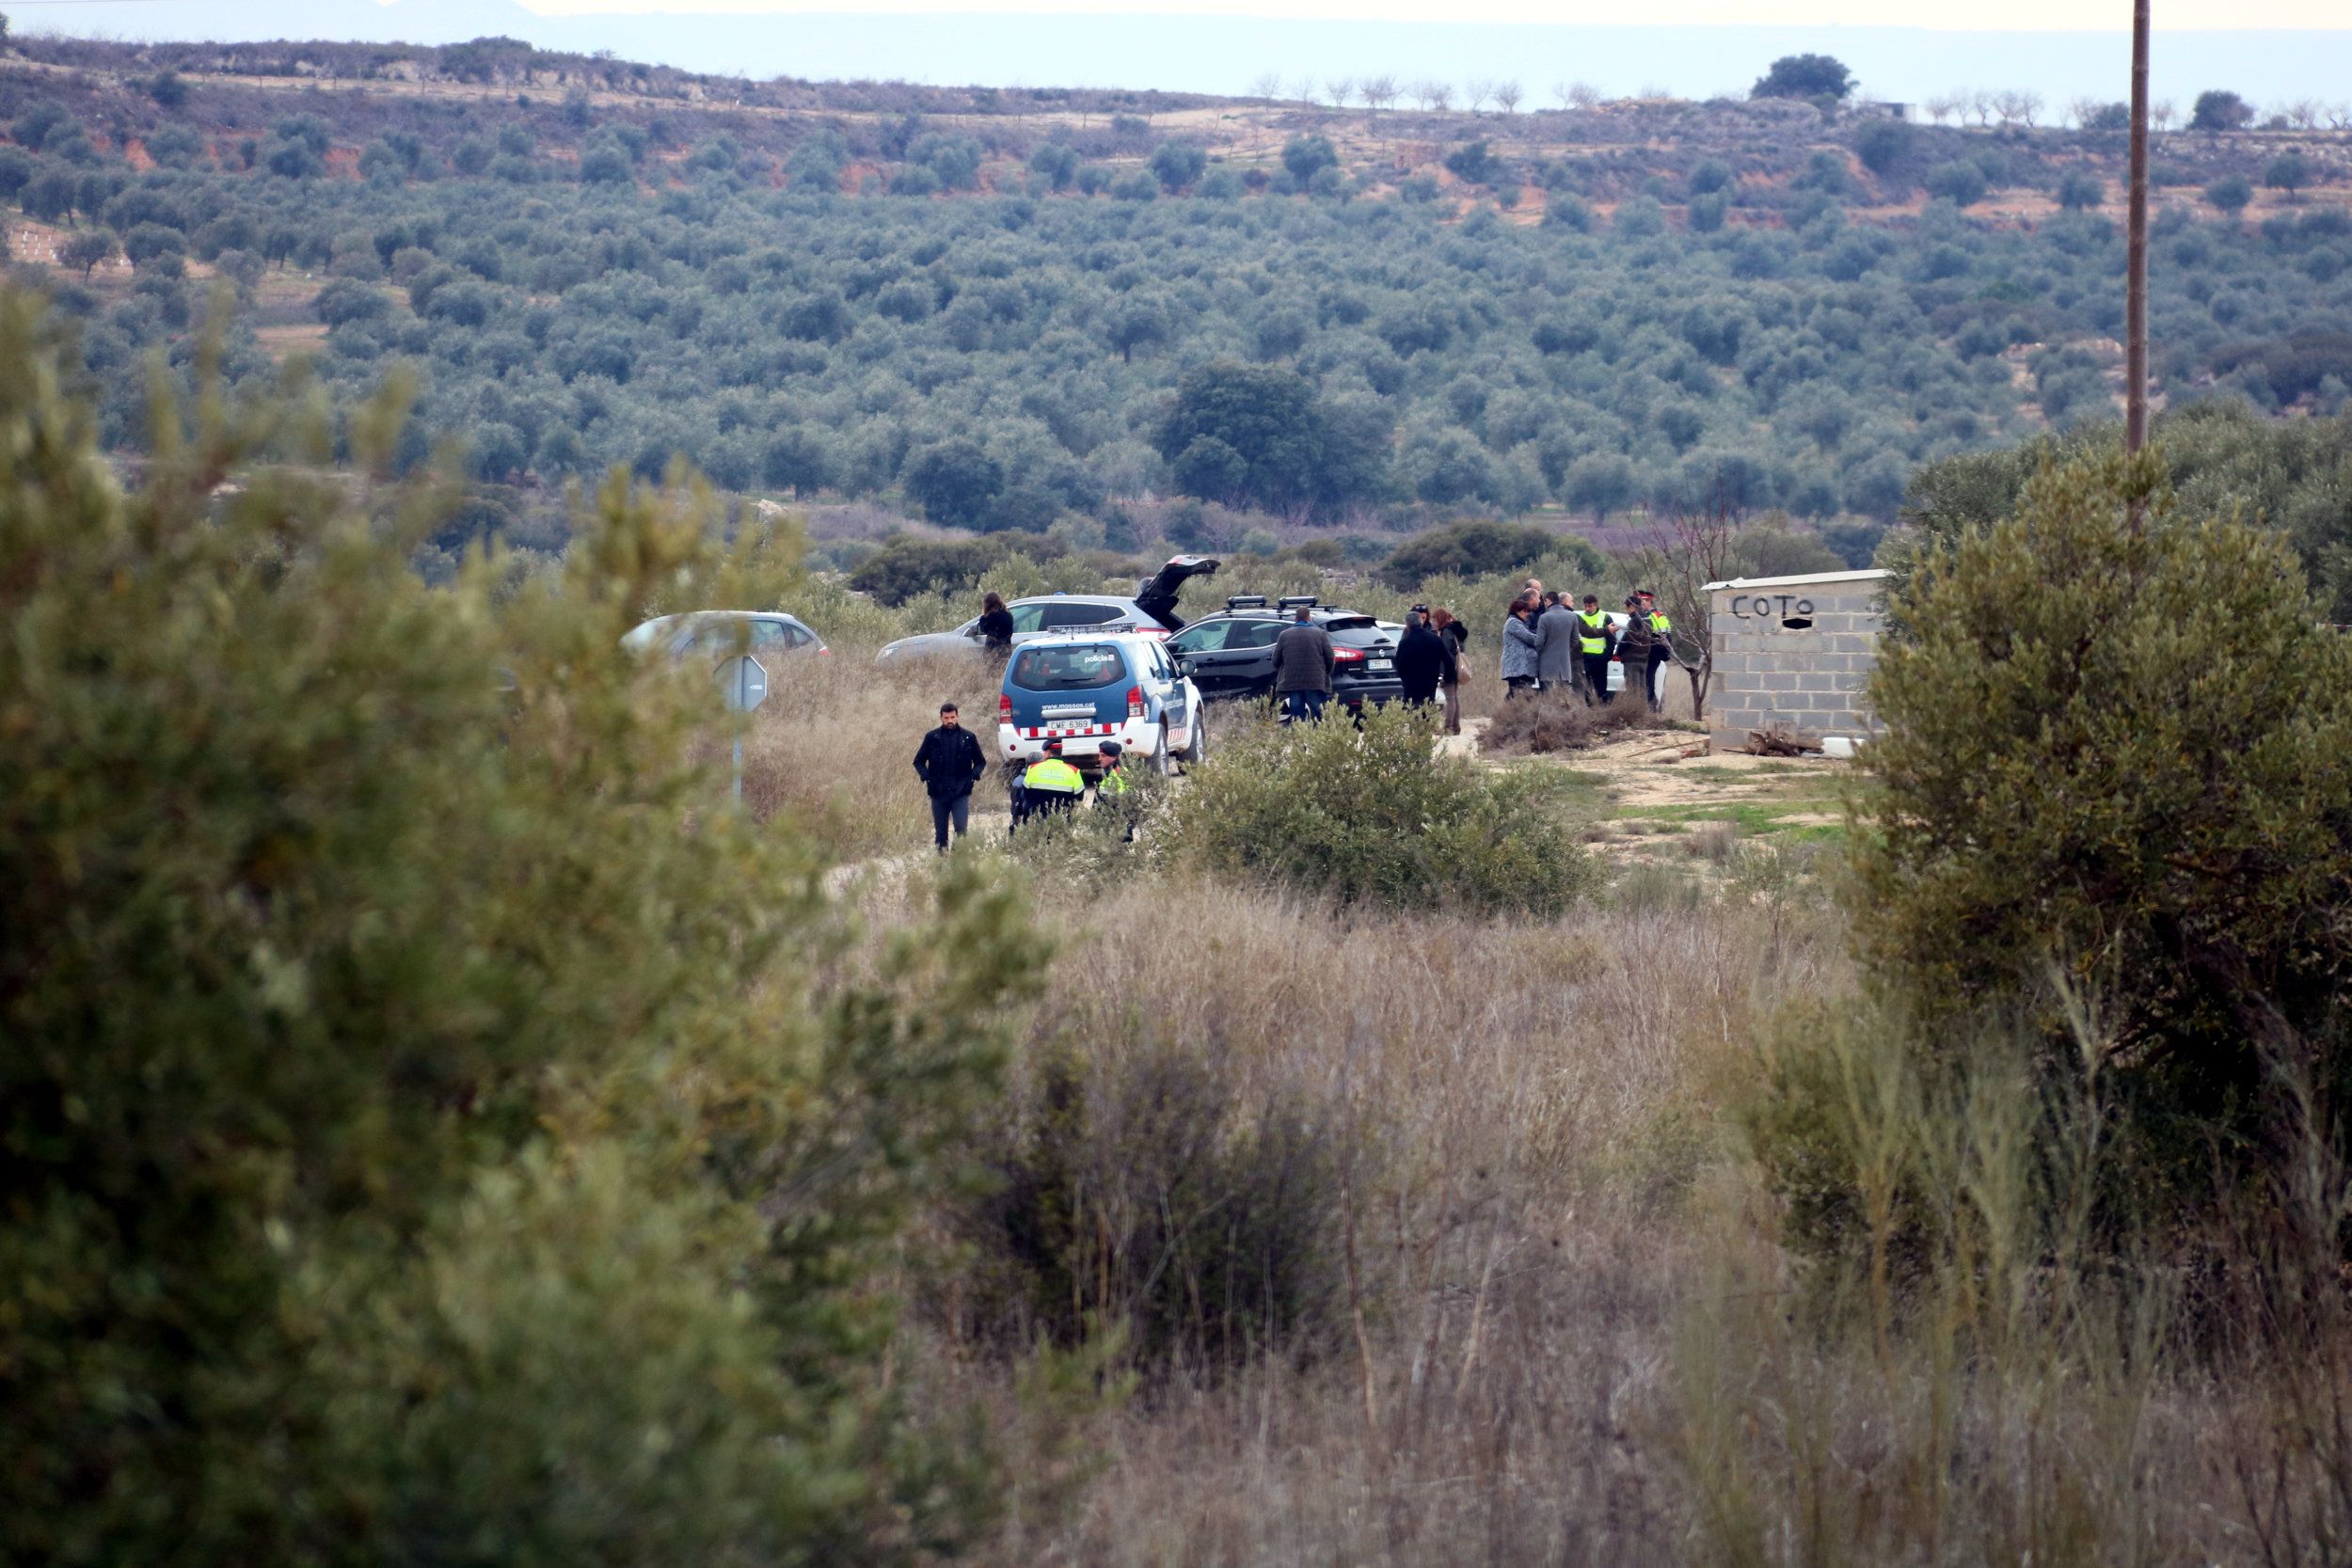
{"x":1159,"y":754}
{"x":1200,"y":747}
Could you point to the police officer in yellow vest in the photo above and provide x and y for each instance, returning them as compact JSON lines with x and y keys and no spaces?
{"x":1660,"y":649}
{"x":1112,"y":789}
{"x":1591,"y":646}
{"x":1052,"y":784}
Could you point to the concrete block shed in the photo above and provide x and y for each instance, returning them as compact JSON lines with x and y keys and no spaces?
{"x":1793,"y":654}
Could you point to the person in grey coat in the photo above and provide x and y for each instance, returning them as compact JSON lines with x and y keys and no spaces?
{"x":1555,"y":647}
{"x":1520,"y":645}
{"x":1305,"y":668}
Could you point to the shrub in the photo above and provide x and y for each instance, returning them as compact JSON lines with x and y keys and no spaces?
{"x":1376,"y":815}
{"x":2111,"y":775}
{"x":2229,"y":194}
{"x":1478,"y":549}
{"x":1141,"y":1188}
{"x":1960,"y":184}
{"x":1885,"y":145}
{"x":430,"y":1134}
{"x":1554,"y":721}
{"x":906,"y":568}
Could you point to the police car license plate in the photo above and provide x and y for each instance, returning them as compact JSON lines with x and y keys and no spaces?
{"x":1380,"y":664}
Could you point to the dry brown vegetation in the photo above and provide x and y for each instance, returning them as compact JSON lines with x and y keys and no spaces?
{"x":1551,"y":722}
{"x":1579,"y":1340}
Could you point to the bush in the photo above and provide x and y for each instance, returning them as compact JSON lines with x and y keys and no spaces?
{"x":2231,"y":194}
{"x":1477,"y":549}
{"x":2081,"y":191}
{"x":2111,"y":775}
{"x":1141,"y":1191}
{"x":906,"y":568}
{"x":1375,"y":816}
{"x":1960,"y":184}
{"x":1561,"y":722}
{"x":430,"y":1136}
{"x":1885,"y":145}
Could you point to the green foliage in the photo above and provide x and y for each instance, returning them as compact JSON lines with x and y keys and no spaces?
{"x":1056,"y":162}
{"x":2229,"y":194}
{"x":1261,"y":435}
{"x":908,"y":567}
{"x":2290,"y":172}
{"x":2295,"y":476}
{"x":1375,"y":816}
{"x":2219,"y":110}
{"x":2081,"y":191}
{"x":435,"y":1129}
{"x":954,"y":483}
{"x":1481,"y":548}
{"x":88,"y":249}
{"x":1177,"y":164}
{"x":2108,"y":799}
{"x":621,"y":307}
{"x":1806,"y":76}
{"x":1306,"y":156}
{"x":1476,"y":163}
{"x":1885,"y":146}
{"x":1142,"y":1187}
{"x":1960,"y":183}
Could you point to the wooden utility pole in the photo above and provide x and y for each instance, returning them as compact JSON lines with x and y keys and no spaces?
{"x":2136,"y":288}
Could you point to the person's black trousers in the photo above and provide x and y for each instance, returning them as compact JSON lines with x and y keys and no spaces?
{"x":958,"y":810}
{"x":1595,"y":678}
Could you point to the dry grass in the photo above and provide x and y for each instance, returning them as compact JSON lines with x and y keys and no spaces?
{"x":1563,"y":721}
{"x":1581,"y":1339}
{"x":1536,"y":1105}
{"x":835,"y":745}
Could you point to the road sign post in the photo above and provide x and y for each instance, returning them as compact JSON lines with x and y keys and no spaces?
{"x":742,"y":686}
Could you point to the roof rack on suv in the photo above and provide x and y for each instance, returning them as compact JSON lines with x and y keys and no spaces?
{"x":1293,"y":601}
{"x":1246,"y":601}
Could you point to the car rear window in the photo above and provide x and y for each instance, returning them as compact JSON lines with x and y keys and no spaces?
{"x":1087,"y":667}
{"x":1349,"y":623}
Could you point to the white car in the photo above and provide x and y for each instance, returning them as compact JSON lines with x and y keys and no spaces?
{"x":1152,"y":610}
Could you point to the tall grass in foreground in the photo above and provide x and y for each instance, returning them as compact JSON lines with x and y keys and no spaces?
{"x":1558,"y":1322}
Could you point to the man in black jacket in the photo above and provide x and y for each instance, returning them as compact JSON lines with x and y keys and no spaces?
{"x":1422,"y":658}
{"x":949,"y":763}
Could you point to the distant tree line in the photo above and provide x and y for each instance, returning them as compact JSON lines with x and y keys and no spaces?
{"x":1010,"y":359}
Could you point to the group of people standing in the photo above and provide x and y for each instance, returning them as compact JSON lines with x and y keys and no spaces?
{"x":1548,"y":644}
{"x":950,"y":762}
{"x":1429,"y":661}
{"x":1428,"y":665}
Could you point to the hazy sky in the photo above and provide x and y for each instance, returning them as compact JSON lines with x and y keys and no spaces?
{"x":1973,"y":15}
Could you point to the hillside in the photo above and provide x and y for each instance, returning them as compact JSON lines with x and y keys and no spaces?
{"x":978,"y":305}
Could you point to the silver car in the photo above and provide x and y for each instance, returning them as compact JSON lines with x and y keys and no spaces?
{"x":717,"y":634}
{"x":1152,"y":610}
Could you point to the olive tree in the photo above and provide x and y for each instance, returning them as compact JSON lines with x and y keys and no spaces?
{"x":2106,"y":800}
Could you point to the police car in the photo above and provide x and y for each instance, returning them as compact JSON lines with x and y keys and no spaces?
{"x":1084,"y":688}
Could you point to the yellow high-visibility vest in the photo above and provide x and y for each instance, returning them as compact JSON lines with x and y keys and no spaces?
{"x":1112,"y":783}
{"x":1055,"y":777}
{"x":1595,"y":640}
{"x":1657,"y":620}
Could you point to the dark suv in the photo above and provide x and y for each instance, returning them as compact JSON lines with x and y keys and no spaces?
{"x":1230,"y":654}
